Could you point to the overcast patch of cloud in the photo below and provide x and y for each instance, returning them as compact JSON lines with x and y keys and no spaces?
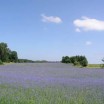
{"x":88,"y":24}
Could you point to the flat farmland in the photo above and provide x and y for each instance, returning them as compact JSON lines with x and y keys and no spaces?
{"x":50,"y":83}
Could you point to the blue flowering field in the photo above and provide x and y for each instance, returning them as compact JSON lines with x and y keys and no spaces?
{"x":50,"y":83}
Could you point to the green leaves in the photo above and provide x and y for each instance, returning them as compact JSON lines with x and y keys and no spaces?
{"x":6,"y":55}
{"x":75,"y":60}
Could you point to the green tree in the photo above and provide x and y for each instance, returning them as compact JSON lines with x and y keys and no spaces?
{"x":76,"y":63}
{"x":76,"y":60}
{"x":1,"y":63}
{"x":13,"y":56}
{"x":73,"y":59}
{"x":4,"y":57}
{"x":83,"y":61}
{"x":65,"y":59}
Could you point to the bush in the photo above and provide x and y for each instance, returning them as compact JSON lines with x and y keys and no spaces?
{"x":76,"y":63}
{"x":1,"y":63}
{"x":65,"y":59}
{"x":84,"y":63}
{"x":75,"y":60}
{"x":102,"y":66}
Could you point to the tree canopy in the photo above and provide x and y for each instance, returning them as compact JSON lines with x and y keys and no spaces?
{"x":6,"y":55}
{"x":75,"y":60}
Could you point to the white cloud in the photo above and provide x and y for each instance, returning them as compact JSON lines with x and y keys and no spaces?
{"x":88,"y":43}
{"x":78,"y":30}
{"x":50,"y":19}
{"x":87,"y":24}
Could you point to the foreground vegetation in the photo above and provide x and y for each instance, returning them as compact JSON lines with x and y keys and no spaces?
{"x":50,"y":83}
{"x":50,"y":95}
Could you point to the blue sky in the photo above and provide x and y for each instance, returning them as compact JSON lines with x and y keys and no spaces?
{"x":50,"y":29}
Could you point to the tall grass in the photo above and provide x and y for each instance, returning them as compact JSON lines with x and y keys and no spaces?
{"x":94,"y":66}
{"x":51,"y":95}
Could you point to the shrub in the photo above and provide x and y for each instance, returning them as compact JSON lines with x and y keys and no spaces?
{"x":1,"y":63}
{"x":65,"y":59}
{"x":75,"y":60}
{"x":76,"y":63}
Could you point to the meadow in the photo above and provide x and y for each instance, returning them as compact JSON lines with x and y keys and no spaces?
{"x":94,"y":66}
{"x":50,"y":83}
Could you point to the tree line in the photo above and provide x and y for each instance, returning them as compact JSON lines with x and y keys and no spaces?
{"x":75,"y":60}
{"x":25,"y":61}
{"x":6,"y":54}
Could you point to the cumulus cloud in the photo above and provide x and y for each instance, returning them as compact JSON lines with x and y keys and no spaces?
{"x":87,"y":24}
{"x":88,"y":43}
{"x":51,"y":19}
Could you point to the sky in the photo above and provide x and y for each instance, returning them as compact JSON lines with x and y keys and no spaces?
{"x":50,"y":29}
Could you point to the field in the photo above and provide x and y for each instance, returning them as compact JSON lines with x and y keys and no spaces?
{"x":94,"y":66}
{"x":50,"y":83}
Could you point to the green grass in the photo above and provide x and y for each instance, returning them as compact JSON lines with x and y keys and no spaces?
{"x":7,"y":63}
{"x":94,"y":66}
{"x":50,"y":95}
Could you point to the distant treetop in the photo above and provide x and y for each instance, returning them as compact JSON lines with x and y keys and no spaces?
{"x":75,"y":60}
